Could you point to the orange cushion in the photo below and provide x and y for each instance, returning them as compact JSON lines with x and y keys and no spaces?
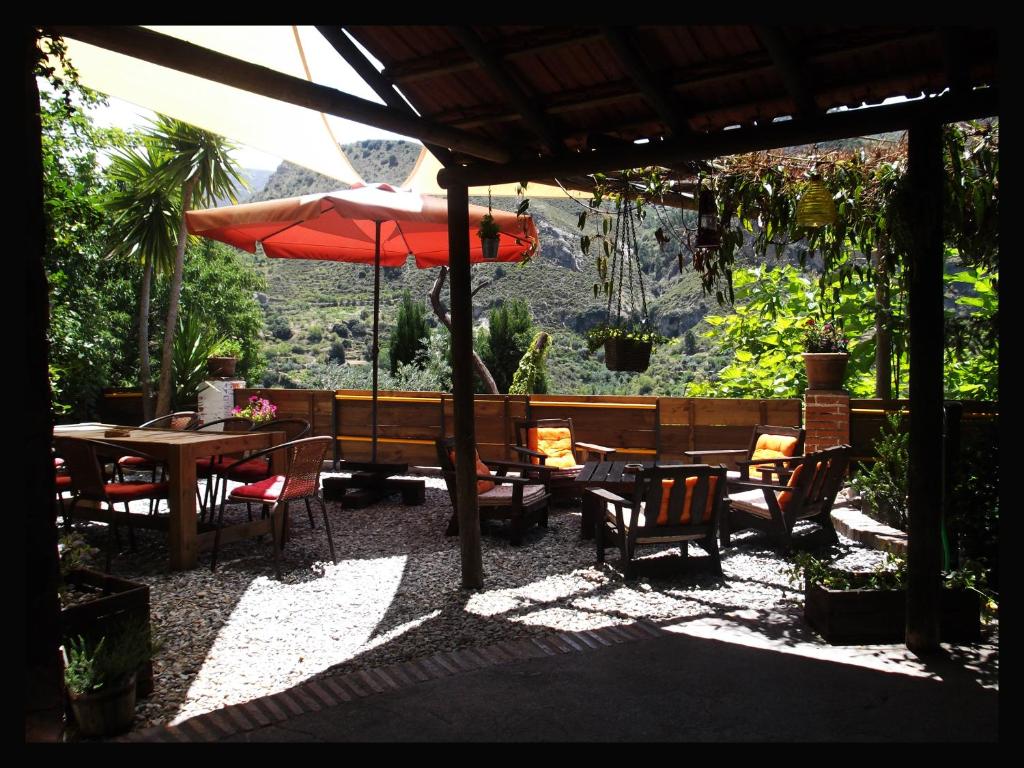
{"x":786,"y":498}
{"x":482,"y":486}
{"x":772,"y":447}
{"x":553,"y":442}
{"x":691,"y":483}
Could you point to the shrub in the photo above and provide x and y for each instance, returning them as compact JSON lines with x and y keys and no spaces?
{"x":336,"y":354}
{"x":884,"y":486}
{"x":280,"y":329}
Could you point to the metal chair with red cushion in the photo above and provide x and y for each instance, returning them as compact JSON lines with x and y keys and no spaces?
{"x":89,"y":484}
{"x":206,"y":465}
{"x":179,"y":421}
{"x":301,"y":482}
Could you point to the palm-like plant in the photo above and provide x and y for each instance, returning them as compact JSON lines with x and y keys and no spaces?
{"x":144,"y":220}
{"x":200,"y":165}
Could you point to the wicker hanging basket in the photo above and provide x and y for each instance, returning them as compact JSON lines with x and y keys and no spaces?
{"x":622,"y":354}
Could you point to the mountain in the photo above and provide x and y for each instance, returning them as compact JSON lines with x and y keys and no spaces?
{"x":311,"y":305}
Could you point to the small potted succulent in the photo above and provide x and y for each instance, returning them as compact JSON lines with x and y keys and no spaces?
{"x":626,"y":347}
{"x":489,"y":236}
{"x":826,"y":352}
{"x":223,"y":358}
{"x":100,"y":677}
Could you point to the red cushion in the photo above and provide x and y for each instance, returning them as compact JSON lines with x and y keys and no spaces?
{"x":133,"y":491}
{"x":255,"y":469}
{"x":63,"y":481}
{"x":265,"y":490}
{"x":134,"y":461}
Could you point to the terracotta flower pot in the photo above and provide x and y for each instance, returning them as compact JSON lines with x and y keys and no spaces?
{"x":825,"y":370}
{"x":221,"y":366}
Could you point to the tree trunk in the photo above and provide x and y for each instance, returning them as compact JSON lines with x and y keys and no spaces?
{"x":145,"y":373}
{"x":163,"y":403}
{"x":883,"y":332}
{"x":442,"y":314}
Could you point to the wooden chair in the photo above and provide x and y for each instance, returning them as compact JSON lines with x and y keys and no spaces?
{"x":813,"y":482}
{"x":767,"y":442}
{"x":88,"y":483}
{"x":521,"y":500}
{"x":552,"y":442}
{"x":301,"y":482}
{"x":676,"y":491}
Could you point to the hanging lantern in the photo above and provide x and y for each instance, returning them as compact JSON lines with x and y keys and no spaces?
{"x":708,"y":233}
{"x":816,"y":207}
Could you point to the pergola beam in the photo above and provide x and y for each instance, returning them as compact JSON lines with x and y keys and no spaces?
{"x":524,"y":103}
{"x":838,"y":125}
{"x":793,"y":75}
{"x":380,"y":84}
{"x":656,"y":95}
{"x":171,"y":52}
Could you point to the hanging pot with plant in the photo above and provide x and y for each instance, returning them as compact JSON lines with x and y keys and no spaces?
{"x":627,"y":340}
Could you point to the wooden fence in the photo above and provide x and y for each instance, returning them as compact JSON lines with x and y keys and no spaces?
{"x":638,"y":427}
{"x":867,"y":417}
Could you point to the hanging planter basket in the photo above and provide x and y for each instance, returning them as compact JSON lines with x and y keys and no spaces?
{"x":621,"y":354}
{"x":490,"y":247}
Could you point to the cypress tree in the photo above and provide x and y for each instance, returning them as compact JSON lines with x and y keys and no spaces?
{"x":410,"y":335}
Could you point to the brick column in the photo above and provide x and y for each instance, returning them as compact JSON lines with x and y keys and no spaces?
{"x":826,"y":418}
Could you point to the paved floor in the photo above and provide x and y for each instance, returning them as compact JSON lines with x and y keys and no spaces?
{"x":706,"y":680}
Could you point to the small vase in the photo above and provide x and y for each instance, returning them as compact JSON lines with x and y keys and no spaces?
{"x":825,"y":370}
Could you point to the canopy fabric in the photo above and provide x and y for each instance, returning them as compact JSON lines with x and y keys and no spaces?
{"x":302,"y":136}
{"x":340,"y":226}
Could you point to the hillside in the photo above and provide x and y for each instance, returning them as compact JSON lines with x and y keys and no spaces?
{"x":311,"y":305}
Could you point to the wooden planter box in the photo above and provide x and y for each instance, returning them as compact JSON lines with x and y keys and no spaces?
{"x":116,"y":600}
{"x":870,"y":616}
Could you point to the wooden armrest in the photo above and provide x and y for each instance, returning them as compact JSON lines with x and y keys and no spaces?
{"x":529,"y":452}
{"x":608,"y":496}
{"x":507,"y":465}
{"x":507,"y":479}
{"x":776,"y":462}
{"x":716,"y":452}
{"x":761,"y":486}
{"x":594,"y":448}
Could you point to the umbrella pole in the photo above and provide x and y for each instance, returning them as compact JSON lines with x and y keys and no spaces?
{"x":376,"y":348}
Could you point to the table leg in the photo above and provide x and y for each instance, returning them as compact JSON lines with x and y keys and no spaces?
{"x":181,"y":500}
{"x":591,"y":509}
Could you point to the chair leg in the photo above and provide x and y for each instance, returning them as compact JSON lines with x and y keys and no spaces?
{"x":711,"y":547}
{"x":273,"y":536}
{"x":131,"y":528}
{"x":599,"y":540}
{"x":327,"y":527}
{"x":309,"y":511}
{"x":516,"y":536}
{"x":216,"y":535}
{"x":724,"y":527}
{"x":113,"y":540}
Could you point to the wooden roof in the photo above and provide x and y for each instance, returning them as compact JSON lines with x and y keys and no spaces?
{"x":547,"y":92}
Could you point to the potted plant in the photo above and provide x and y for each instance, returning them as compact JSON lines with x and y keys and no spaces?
{"x":867,"y":607}
{"x":626,"y":347}
{"x":224,"y":358}
{"x":94,"y":603}
{"x":825,"y":355}
{"x":257,"y":409}
{"x":100,"y":677}
{"x":489,"y":236}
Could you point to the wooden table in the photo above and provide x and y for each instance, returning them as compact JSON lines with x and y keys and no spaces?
{"x":370,"y":482}
{"x":179,"y":450}
{"x":610,"y":475}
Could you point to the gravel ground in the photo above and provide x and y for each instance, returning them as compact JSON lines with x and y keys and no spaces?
{"x":395,"y":595}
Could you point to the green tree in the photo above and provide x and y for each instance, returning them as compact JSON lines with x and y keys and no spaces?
{"x":144,"y":219}
{"x":409,"y":338}
{"x":201,"y":166}
{"x":508,"y":339}
{"x":90,"y":296}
